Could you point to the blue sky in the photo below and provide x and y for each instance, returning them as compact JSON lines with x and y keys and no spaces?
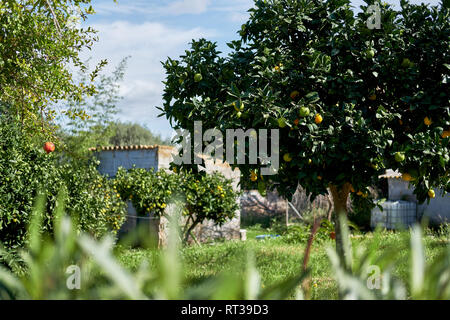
{"x":150,"y":31}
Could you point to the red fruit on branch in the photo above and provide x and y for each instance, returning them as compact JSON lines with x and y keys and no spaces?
{"x":49,"y":147}
{"x":333,"y":235}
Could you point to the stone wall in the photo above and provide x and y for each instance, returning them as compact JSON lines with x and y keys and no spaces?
{"x":230,"y":230}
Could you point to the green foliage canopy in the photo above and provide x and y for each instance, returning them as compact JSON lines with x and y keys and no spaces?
{"x":40,"y":44}
{"x":374,"y":90}
{"x":27,"y":171}
{"x":205,"y":196}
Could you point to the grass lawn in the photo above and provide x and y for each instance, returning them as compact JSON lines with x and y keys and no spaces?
{"x":275,"y":259}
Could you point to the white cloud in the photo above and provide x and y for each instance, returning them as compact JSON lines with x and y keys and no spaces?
{"x":239,"y":17}
{"x":178,"y":7}
{"x":187,"y":7}
{"x":148,"y":44}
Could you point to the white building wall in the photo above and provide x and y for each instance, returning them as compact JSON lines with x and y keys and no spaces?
{"x":437,"y":211}
{"x":111,"y":160}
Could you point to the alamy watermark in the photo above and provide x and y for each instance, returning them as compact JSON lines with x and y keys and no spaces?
{"x":374,"y":21}
{"x":374,"y":277}
{"x":235,"y":147}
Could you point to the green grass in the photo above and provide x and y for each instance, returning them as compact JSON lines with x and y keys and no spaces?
{"x":276,"y":260}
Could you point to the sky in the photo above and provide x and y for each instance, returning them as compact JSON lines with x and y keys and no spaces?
{"x":149,"y":31}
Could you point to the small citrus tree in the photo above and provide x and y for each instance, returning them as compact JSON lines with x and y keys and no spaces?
{"x":205,"y":196}
{"x":349,"y":101}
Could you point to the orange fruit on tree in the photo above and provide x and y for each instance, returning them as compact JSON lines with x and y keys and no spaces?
{"x":407,"y":177}
{"x":294,"y":94}
{"x":287,"y":157}
{"x":445,"y":134}
{"x":318,"y":119}
{"x":253,"y":176}
{"x":304,"y":111}
{"x":427,"y":121}
{"x":431,"y":193}
{"x":198,"y":77}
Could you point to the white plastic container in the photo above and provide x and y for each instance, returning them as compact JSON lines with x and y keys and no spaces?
{"x":395,"y":215}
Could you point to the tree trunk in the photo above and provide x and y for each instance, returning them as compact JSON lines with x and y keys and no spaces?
{"x":340,"y":197}
{"x":190,"y":229}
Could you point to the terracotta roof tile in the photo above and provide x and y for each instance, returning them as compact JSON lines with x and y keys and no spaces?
{"x":132,"y":147}
{"x":391,"y":174}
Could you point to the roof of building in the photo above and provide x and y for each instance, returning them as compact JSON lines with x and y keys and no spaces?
{"x":389,"y":174}
{"x":132,"y":147}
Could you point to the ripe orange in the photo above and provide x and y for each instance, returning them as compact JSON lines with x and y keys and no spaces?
{"x":253,"y":176}
{"x":427,"y":121}
{"x":407,"y":177}
{"x":445,"y":134}
{"x":318,"y":119}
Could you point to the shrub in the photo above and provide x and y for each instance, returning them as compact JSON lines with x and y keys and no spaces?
{"x":93,"y":199}
{"x":300,"y":233}
{"x":26,"y":171}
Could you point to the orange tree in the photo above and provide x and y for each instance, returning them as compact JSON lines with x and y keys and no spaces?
{"x":349,"y":101}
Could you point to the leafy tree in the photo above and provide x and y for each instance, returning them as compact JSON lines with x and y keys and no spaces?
{"x":133,"y":134}
{"x":97,"y":126}
{"x":349,"y":101}
{"x":205,"y":196}
{"x":40,"y":43}
{"x":26,"y":171}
